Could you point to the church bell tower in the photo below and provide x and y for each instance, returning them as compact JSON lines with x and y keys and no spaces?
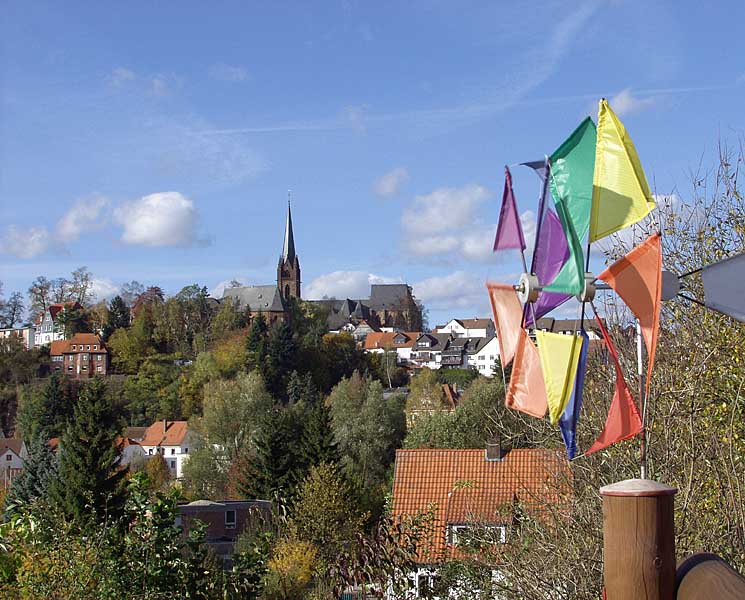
{"x":288,"y":270}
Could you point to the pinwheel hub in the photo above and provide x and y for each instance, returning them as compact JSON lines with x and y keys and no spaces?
{"x":528,"y":288}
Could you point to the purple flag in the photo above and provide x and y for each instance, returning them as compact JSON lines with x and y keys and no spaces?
{"x":509,"y":230}
{"x":550,"y":251}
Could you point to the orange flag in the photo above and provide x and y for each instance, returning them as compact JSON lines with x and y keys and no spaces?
{"x":623,"y":421}
{"x":527,"y":389}
{"x":508,"y":316}
{"x":637,"y":278}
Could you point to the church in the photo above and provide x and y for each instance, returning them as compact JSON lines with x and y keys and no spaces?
{"x":272,"y":301}
{"x":389,"y":305}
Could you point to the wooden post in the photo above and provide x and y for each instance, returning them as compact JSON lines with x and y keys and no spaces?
{"x":638,"y":540}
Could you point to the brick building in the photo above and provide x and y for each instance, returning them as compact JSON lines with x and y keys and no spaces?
{"x":82,"y":356}
{"x":225,"y":521}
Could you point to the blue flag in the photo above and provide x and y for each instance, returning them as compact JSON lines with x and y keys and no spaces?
{"x":570,"y":416}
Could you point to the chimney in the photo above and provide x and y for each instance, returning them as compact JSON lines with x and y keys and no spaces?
{"x":494,"y":450}
{"x":165,"y":426}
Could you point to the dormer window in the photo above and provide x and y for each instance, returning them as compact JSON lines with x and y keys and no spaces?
{"x":74,"y":347}
{"x":95,"y":346}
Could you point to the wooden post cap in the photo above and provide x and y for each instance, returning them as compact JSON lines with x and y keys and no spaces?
{"x":638,"y":488}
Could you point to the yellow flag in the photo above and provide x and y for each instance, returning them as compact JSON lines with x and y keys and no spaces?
{"x":620,"y":193}
{"x":559,"y":359}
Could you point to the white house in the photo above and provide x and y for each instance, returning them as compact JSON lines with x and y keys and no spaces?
{"x":13,"y":454}
{"x":427,"y":350}
{"x":131,"y":451}
{"x":25,"y":334}
{"x":468,"y":328}
{"x":482,"y":354}
{"x":172,"y":440}
{"x":48,"y":327}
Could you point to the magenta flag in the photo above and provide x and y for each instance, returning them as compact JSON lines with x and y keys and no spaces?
{"x":509,"y":231}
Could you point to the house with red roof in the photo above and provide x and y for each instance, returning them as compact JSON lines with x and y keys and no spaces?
{"x":172,"y":440}
{"x":82,"y":356}
{"x":48,"y":327}
{"x":13,"y":454}
{"x":469,"y":492}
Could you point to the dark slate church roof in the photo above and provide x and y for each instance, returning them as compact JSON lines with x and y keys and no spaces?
{"x":389,"y":296}
{"x":257,"y":297}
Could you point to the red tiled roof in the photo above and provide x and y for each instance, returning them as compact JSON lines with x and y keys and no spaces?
{"x":174,"y":435}
{"x":65,"y":346}
{"x":385,"y":339}
{"x":55,"y":308}
{"x":461,"y":486}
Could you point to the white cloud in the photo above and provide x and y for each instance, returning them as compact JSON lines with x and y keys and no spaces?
{"x":161,"y":219}
{"x":389,"y":184}
{"x":344,"y":284}
{"x":25,"y":243}
{"x":459,"y":290}
{"x":120,"y":76}
{"x":223,"y":72}
{"x":432,"y":245}
{"x":103,"y":288}
{"x":444,"y":209}
{"x":355,"y":117}
{"x":446,"y":222}
{"x":178,"y":149}
{"x":625,"y":103}
{"x":85,"y":215}
{"x":164,"y":85}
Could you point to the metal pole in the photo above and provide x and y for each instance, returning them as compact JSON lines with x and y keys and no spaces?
{"x":642,"y":399}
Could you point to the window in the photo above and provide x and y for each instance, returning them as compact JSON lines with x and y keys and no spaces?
{"x":74,"y":347}
{"x":69,"y":368}
{"x":491,"y":357}
{"x":8,"y":456}
{"x":150,"y":452}
{"x":172,"y":464}
{"x":496,"y":533}
{"x":427,"y":584}
{"x":84,"y":357}
{"x":186,"y":451}
{"x":99,"y":357}
{"x":229,"y":519}
{"x":95,"y":346}
{"x":173,"y":451}
{"x":99,"y":368}
{"x":87,"y":346}
{"x":85,"y":367}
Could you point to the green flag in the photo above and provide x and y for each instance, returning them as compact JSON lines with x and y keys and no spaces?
{"x":572,"y":168}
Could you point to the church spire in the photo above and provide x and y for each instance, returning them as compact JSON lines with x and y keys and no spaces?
{"x":288,"y":250}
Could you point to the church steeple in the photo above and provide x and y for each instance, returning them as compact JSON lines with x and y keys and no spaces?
{"x":288,"y":269}
{"x":288,"y":250}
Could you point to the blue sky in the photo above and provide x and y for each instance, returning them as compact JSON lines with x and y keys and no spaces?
{"x":158,"y":143}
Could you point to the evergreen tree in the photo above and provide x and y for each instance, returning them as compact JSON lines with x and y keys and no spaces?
{"x":317,"y":444}
{"x":118,"y":317}
{"x":302,"y":390}
{"x":273,"y":464}
{"x":280,"y":359}
{"x":90,"y":481}
{"x":46,"y":414}
{"x":39,"y":469}
{"x":256,"y":343}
